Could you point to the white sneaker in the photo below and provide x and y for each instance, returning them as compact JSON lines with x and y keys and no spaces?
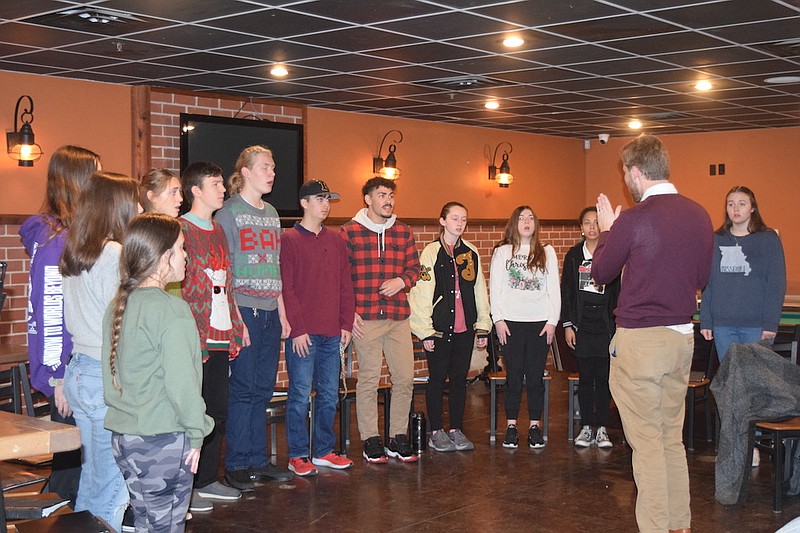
{"x":584,"y":439}
{"x":602,"y":438}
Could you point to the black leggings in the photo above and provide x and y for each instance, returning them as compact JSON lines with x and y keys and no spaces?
{"x":525,"y":355}
{"x":448,"y":359}
{"x":215,"y":394}
{"x":593,"y":393}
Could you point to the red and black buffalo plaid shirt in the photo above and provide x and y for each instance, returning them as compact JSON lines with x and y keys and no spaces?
{"x":372,"y":264}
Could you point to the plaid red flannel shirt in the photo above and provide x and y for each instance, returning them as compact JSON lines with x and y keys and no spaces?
{"x":371,"y":266}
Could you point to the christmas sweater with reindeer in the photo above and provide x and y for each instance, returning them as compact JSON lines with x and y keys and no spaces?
{"x":207,"y":287}
{"x":519,"y":294}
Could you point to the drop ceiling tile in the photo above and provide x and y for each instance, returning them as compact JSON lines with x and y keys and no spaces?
{"x":360,"y":12}
{"x":538,"y":13}
{"x":62,"y":60}
{"x":179,"y":10}
{"x":274,"y":23}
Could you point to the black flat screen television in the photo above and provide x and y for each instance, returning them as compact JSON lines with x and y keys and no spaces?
{"x":219,"y":140}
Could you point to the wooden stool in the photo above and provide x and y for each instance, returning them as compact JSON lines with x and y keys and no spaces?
{"x":572,"y":380}
{"x":789,"y":429}
{"x":499,"y":378}
{"x":347,"y":395}
{"x":697,"y":381}
{"x":276,"y":412}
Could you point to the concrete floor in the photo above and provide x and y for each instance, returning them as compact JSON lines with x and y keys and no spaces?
{"x":559,"y":488}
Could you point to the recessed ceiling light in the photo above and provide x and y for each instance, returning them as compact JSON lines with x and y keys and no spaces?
{"x":783,"y":79}
{"x":279,"y":71}
{"x":703,"y":85}
{"x":492,"y":104}
{"x":634,"y":124}
{"x":513,"y":42}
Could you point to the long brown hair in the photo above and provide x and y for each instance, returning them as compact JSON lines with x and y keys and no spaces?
{"x":536,"y":258}
{"x":67,"y":174}
{"x":156,"y":180}
{"x":246,"y":159}
{"x":147,"y":238}
{"x":106,"y":206}
{"x":755,"y":224}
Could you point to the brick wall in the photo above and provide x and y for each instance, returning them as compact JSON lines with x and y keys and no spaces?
{"x":13,"y":315}
{"x":12,"y":318}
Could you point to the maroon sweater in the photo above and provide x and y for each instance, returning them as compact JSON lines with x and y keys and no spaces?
{"x":317,"y":287}
{"x":664,"y":244}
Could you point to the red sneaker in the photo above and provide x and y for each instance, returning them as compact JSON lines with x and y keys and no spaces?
{"x":301,"y":466}
{"x":333,"y":460}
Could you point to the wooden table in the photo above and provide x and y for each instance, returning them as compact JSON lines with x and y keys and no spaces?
{"x":25,"y":436}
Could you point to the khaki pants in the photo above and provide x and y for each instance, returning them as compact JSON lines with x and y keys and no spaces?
{"x":648,"y":380}
{"x":392,"y":339}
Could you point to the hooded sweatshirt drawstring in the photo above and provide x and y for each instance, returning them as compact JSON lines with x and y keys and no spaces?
{"x":362,"y":218}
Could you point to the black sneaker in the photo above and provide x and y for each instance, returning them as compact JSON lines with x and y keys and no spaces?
{"x":270,"y":472}
{"x":512,"y":437}
{"x":535,"y":438}
{"x":240,"y":479}
{"x":127,"y":521}
{"x":400,"y":448}
{"x":373,"y":451}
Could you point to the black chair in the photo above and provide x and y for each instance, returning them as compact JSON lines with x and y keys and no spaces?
{"x":704,"y":360}
{"x":11,"y":390}
{"x":36,"y":404}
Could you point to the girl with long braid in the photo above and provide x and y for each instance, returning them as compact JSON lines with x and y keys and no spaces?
{"x":152,"y":376}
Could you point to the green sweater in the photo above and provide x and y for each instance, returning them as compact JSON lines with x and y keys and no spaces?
{"x":158,"y":369}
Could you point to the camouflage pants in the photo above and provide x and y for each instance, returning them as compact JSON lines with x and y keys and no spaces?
{"x":159,"y":482}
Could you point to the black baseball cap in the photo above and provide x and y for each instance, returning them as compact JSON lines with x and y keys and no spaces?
{"x":315,"y":187}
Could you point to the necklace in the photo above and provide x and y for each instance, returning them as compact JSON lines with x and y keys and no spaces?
{"x":736,"y":237}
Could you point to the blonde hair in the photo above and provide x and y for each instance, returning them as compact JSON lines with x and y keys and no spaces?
{"x":247,"y":158}
{"x":147,"y":238}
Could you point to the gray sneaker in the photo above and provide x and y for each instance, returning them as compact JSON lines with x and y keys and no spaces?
{"x":460,"y":440}
{"x":218,"y":491}
{"x":440,"y":442}
{"x":198,"y":504}
{"x":584,"y":439}
{"x":602,"y":438}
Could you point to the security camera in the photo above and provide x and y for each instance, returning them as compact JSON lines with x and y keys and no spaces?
{"x":603,"y":138}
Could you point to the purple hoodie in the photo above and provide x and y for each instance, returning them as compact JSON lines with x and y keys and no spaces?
{"x":49,"y":343}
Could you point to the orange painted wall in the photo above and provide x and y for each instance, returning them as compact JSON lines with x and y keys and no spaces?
{"x":766,"y":161}
{"x":96,"y":116}
{"x":442,"y":162}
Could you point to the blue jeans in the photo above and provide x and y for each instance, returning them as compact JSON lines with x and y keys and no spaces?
{"x":252,"y":383}
{"x":102,"y":489}
{"x":318,"y":370}
{"x":725,"y":336}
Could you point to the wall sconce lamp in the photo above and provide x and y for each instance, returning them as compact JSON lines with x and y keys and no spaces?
{"x":21,"y":145}
{"x":387,"y":168}
{"x":504,"y":177}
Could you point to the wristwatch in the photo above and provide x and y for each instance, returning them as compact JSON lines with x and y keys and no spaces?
{"x":53,"y":381}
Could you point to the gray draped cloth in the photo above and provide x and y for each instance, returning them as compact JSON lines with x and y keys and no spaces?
{"x":752,"y":384}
